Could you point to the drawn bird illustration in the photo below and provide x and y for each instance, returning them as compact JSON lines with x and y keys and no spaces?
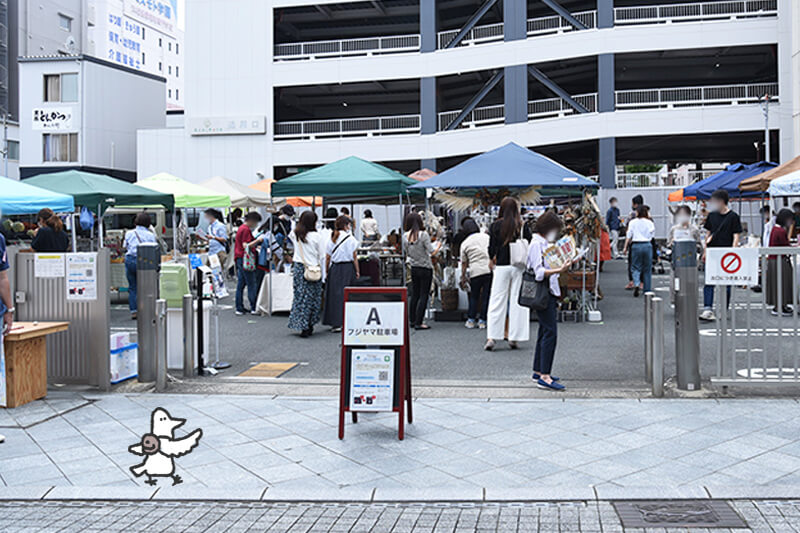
{"x":160,"y":447}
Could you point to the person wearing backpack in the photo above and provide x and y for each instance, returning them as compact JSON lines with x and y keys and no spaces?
{"x":341,"y":264}
{"x":245,"y":262}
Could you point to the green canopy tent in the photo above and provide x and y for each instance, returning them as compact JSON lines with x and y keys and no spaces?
{"x":186,"y":194}
{"x":98,"y":192}
{"x":351,"y":177}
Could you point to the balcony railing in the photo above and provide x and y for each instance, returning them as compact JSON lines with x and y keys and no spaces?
{"x":672,"y":178}
{"x":695,"y":11}
{"x":347,"y":127}
{"x":347,"y":47}
{"x":545,"y":108}
{"x":656,"y":14}
{"x":694,"y":96}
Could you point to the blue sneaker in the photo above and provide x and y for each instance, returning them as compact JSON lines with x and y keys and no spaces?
{"x":556,"y":386}
{"x":536,"y":376}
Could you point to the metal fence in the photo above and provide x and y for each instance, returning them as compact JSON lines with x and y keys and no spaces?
{"x":368,"y":46}
{"x":347,"y":127}
{"x":556,"y":107}
{"x":487,"y":33}
{"x":557,"y":24}
{"x":670,"y":178}
{"x":757,"y":337}
{"x":695,"y":11}
{"x":694,"y":96}
{"x":480,"y":116}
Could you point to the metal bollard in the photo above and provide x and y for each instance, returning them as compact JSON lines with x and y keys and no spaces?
{"x":648,"y":336}
{"x":161,"y":345}
{"x":188,"y":336}
{"x":658,"y":347}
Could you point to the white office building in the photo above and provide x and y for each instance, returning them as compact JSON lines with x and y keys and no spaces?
{"x":276,"y":86}
{"x":144,"y":35}
{"x":80,"y":112}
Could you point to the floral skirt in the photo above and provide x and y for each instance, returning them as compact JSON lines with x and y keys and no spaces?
{"x":307,"y":300}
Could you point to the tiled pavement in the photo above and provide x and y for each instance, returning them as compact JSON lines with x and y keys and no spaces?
{"x":456,"y":449}
{"x":574,"y":516}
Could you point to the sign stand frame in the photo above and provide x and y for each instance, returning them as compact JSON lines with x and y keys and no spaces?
{"x":401,"y":403}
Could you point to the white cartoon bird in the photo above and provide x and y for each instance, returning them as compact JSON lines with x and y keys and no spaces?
{"x":160,"y":447}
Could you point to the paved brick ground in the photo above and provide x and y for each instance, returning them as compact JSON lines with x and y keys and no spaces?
{"x":577,"y":516}
{"x":253,"y":443}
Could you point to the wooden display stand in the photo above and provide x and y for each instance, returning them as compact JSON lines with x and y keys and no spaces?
{"x":26,"y":360}
{"x":377,"y":331}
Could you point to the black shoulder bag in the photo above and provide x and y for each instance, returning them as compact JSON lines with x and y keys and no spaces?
{"x":533,"y":294}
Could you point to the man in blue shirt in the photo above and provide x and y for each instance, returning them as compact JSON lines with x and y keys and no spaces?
{"x":6,"y":315}
{"x":613,"y":223}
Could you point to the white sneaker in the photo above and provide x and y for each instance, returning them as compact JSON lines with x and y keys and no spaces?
{"x":707,"y":315}
{"x":470,"y":324}
{"x":481,"y":324}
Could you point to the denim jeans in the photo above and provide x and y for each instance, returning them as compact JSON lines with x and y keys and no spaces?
{"x":479,"y":296}
{"x":547,"y":337}
{"x":248,"y":279}
{"x":708,"y":296}
{"x":130,"y":273}
{"x":642,"y":264}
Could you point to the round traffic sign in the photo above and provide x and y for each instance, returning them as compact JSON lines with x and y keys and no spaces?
{"x":731,"y":262}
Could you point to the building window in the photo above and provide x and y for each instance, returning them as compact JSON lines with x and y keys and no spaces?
{"x":169,"y":93}
{"x":13,"y":150}
{"x":142,"y":58}
{"x":60,"y":147}
{"x":176,"y":71}
{"x":160,"y":67}
{"x":176,"y":49}
{"x":169,"y":47}
{"x":143,"y":33}
{"x":159,"y":42}
{"x":61,"y":87}
{"x":169,"y":70}
{"x":177,"y":94}
{"x":65,"y":22}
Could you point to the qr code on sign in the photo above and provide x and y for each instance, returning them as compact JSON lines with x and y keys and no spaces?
{"x":383,"y":375}
{"x":89,"y":272}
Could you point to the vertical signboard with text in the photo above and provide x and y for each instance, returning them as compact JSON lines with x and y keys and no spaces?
{"x":376,"y":367}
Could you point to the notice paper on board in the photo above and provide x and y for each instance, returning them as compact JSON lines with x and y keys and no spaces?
{"x":374,"y":323}
{"x":371,"y":380}
{"x":82,"y":276}
{"x":48,"y":266}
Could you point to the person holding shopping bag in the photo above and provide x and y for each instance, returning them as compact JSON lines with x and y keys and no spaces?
{"x":504,"y":238}
{"x":545,"y":234}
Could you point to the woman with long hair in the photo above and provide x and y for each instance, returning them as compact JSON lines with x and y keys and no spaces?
{"x":341,"y":264}
{"x":507,"y":279}
{"x":475,"y":271}
{"x":545,"y":233}
{"x":779,"y":236}
{"x":419,"y":250}
{"x":307,"y":300}
{"x":50,"y":235}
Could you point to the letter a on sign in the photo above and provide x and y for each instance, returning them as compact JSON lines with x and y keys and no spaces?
{"x":373,"y":317}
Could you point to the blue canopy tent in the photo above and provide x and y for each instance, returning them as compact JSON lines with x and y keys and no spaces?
{"x":728,"y":180}
{"x":20,"y":198}
{"x":510,"y":166}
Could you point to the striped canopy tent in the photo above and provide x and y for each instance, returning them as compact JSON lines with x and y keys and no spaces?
{"x":265,"y":185}
{"x":760,"y":183}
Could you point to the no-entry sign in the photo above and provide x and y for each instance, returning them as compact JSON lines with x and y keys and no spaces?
{"x":732,"y":266}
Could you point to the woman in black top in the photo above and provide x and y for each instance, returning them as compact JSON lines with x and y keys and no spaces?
{"x":507,"y":279}
{"x":50,"y":236}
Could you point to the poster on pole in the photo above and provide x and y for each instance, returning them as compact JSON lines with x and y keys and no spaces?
{"x":732,"y":266}
{"x":48,"y":266}
{"x":372,"y":380}
{"x":81,"y":276}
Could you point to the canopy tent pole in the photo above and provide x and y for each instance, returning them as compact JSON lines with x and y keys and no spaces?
{"x":74,"y":235}
{"x":99,"y":227}
{"x":402,"y":243}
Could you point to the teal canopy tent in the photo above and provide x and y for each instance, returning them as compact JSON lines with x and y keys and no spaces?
{"x":95,"y":191}
{"x":21,"y":198}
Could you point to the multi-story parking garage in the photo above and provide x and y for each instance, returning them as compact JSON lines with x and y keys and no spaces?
{"x":276,"y":86}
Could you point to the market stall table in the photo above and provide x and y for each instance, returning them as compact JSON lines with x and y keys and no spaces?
{"x":26,"y":360}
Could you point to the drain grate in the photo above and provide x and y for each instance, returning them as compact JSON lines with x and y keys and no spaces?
{"x":678,"y":513}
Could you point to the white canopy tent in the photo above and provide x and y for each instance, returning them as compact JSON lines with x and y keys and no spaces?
{"x":240,"y":195}
{"x":788,"y":185}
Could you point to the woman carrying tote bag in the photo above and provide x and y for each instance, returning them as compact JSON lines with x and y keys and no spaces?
{"x":545,"y":233}
{"x":506,"y":280}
